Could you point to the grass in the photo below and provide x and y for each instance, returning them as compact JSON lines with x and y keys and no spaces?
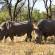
{"x":26,"y":48}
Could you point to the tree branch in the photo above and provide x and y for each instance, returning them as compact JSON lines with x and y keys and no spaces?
{"x":17,"y":12}
{"x":9,"y":7}
{"x":15,"y":8}
{"x":46,"y":6}
{"x":33,"y":6}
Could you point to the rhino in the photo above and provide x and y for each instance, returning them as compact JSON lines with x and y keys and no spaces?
{"x":21,"y":28}
{"x":46,"y":28}
{"x":12,"y":28}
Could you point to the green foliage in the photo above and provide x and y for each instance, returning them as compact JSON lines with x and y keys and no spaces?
{"x":3,"y":16}
{"x":37,"y":15}
{"x":23,"y":15}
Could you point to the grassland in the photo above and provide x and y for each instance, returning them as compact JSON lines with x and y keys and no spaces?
{"x":26,"y":48}
{"x":29,"y":48}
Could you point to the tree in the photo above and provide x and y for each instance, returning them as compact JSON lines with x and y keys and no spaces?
{"x":29,"y":16}
{"x":46,"y":6}
{"x":30,"y":9}
{"x":18,"y":10}
{"x":13,"y":14}
{"x":50,"y":9}
{"x":34,"y":1}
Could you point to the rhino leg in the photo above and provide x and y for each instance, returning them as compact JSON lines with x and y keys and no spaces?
{"x":26,"y":39}
{"x":1,"y":38}
{"x":12,"y":38}
{"x":5,"y":38}
{"x":39,"y":39}
{"x":45,"y":38}
{"x":29,"y":36}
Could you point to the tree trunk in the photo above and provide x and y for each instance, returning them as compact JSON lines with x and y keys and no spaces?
{"x":50,"y":10}
{"x":29,"y":16}
{"x":47,"y":12}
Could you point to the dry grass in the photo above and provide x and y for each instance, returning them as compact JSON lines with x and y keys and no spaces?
{"x":26,"y":48}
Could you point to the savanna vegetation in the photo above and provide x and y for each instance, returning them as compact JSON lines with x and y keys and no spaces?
{"x":21,"y":12}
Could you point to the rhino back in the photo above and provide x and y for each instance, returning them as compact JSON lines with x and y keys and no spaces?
{"x":47,"y":26}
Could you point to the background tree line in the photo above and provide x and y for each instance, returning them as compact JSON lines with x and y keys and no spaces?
{"x":19,"y":12}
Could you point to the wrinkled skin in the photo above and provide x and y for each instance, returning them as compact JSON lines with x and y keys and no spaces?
{"x":46,"y":28}
{"x":12,"y":28}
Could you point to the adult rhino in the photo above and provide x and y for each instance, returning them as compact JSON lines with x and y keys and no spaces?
{"x":46,"y":28}
{"x":21,"y":28}
{"x":12,"y":28}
